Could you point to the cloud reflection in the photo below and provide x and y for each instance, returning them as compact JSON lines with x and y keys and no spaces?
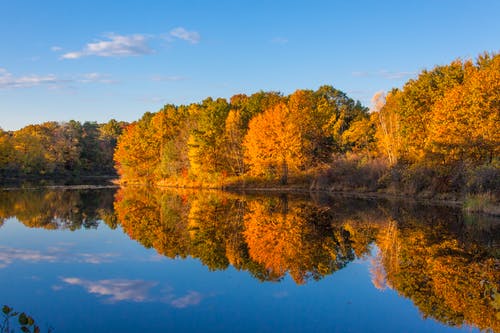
{"x":118,"y":290}
{"x":190,"y":299}
{"x":9,"y":255}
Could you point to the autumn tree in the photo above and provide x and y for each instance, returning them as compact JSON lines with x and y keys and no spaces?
{"x":29,"y":151}
{"x":171,"y":125}
{"x":108,"y":137}
{"x":359,"y":138}
{"x":138,"y":151}
{"x":233,"y":147}
{"x":415,"y":106}
{"x":334,"y":113}
{"x":250,"y":106}
{"x":386,"y":116}
{"x":6,"y":153}
{"x":243,"y":109}
{"x":273,"y":144}
{"x":465,"y":122}
{"x":206,"y":138}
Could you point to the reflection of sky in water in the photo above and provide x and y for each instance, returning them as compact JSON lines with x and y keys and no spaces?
{"x":117,"y":290}
{"x":101,"y":281}
{"x":8,"y":255}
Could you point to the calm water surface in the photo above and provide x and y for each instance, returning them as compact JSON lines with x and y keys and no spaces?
{"x":138,"y":260}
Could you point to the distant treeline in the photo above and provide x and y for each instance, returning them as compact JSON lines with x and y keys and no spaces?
{"x":68,"y":209}
{"x":59,"y":149}
{"x":440,"y":133}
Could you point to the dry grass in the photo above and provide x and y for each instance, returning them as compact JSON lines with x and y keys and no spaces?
{"x":484,"y":203}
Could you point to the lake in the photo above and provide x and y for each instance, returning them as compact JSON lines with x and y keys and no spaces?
{"x":142,"y":260}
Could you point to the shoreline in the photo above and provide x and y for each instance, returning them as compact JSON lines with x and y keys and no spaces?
{"x":113,"y":182}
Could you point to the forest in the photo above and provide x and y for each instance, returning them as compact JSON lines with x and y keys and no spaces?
{"x":436,"y":137}
{"x":54,"y":149}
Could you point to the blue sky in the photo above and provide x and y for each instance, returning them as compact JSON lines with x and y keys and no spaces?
{"x":97,"y":60}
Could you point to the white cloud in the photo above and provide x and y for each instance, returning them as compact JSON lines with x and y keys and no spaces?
{"x":192,"y":37}
{"x":116,"y":289}
{"x":7,"y":80}
{"x":114,"y":46}
{"x":56,"y":48}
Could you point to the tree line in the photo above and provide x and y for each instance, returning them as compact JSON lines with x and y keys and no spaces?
{"x":59,"y":149}
{"x":266,"y":134}
{"x":439,"y":133}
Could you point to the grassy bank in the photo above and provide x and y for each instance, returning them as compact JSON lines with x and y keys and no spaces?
{"x":477,"y":189}
{"x":483,"y":203}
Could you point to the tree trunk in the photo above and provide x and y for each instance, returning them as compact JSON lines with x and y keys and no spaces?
{"x":284,"y":172}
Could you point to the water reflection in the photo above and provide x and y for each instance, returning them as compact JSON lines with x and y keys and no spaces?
{"x":58,"y":209}
{"x":8,"y":255}
{"x":447,"y":264}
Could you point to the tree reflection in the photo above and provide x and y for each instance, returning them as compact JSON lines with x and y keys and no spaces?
{"x":267,"y":236}
{"x":58,"y":209}
{"x":295,"y":238}
{"x":424,"y":257}
{"x":446,"y":265}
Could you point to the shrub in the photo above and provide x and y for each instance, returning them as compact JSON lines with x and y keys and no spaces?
{"x":485,"y":178}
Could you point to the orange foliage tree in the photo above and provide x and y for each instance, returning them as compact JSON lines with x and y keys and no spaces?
{"x":273,"y":143}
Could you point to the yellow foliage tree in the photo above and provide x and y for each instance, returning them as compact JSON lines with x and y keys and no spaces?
{"x":388,"y":121}
{"x":466,"y":121}
{"x":233,"y":136}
